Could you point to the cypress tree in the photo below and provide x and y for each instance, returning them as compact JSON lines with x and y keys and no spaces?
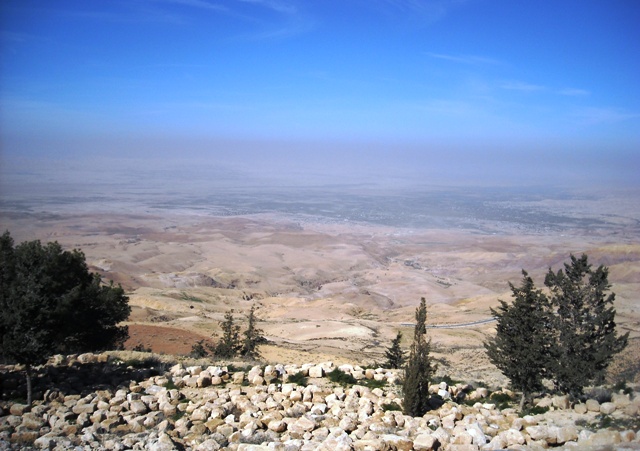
{"x":229,"y":344}
{"x":395,"y":354}
{"x":520,"y":347}
{"x":252,"y":337}
{"x":584,"y":321}
{"x":419,"y":369}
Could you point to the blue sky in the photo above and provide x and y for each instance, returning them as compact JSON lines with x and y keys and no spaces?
{"x":495,"y":83}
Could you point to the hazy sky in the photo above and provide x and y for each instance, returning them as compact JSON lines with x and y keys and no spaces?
{"x":479,"y":85}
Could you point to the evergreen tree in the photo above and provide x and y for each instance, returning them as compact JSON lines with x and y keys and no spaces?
{"x":229,"y":344}
{"x":520,"y":347}
{"x":50,"y":303}
{"x":419,"y":369}
{"x":584,"y":320}
{"x":198,"y":350}
{"x":252,"y":337}
{"x":395,"y":354}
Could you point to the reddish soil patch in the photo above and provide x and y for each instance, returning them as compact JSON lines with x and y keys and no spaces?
{"x":162,"y":340}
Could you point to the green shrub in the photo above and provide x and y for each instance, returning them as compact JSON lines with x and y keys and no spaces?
{"x":616,"y":423}
{"x":170,"y":385}
{"x":231,"y":368}
{"x":372,"y":383}
{"x":298,"y":378}
{"x":198,"y":351}
{"x":340,"y":377}
{"x":500,"y":397}
{"x":622,"y":386}
{"x":176,"y":416}
{"x":536,"y":410}
{"x":187,"y":297}
{"x":386,"y":407}
{"x":502,"y":400}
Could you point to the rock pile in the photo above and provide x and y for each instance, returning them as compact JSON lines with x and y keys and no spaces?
{"x":211,"y":408}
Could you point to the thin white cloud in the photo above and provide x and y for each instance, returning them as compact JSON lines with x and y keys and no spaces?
{"x":423,"y":5}
{"x":603,"y":115}
{"x":429,"y":10}
{"x":281,"y":33}
{"x":521,"y":86}
{"x":202,"y":4}
{"x":15,"y":37}
{"x":574,"y":92}
{"x":464,"y":59}
{"x":277,"y":6}
{"x":274,"y":5}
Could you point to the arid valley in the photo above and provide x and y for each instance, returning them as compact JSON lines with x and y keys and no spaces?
{"x":335,"y":275}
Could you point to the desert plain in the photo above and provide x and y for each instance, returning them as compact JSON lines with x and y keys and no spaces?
{"x":334,"y":276}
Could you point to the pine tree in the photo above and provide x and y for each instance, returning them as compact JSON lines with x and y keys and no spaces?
{"x":395,"y":354}
{"x":520,"y":348}
{"x":419,"y":369}
{"x":229,"y":344}
{"x":252,"y":337}
{"x":586,"y":338}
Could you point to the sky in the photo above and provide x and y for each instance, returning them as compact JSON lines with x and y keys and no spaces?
{"x":544,"y":90}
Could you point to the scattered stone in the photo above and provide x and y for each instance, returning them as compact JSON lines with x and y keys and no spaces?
{"x":593,"y":405}
{"x":216,"y":409}
{"x":607,"y":408}
{"x":425,"y":442}
{"x":18,"y":409}
{"x":580,"y":408}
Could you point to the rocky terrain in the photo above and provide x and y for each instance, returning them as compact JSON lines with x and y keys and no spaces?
{"x":334,"y":291}
{"x":148,"y":405}
{"x":333,"y":279}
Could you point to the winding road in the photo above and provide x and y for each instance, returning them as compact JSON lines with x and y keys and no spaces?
{"x":453,"y":326}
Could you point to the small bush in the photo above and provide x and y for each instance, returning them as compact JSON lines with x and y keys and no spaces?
{"x":502,"y":400}
{"x":141,"y":348}
{"x":176,"y":416}
{"x":340,"y":377}
{"x":387,"y":407}
{"x":198,"y":351}
{"x":581,"y":422}
{"x":615,"y":423}
{"x":600,"y":394}
{"x":500,"y":397}
{"x":170,"y":385}
{"x":298,"y":378}
{"x":536,"y":410}
{"x":621,"y":386}
{"x":467,"y":402}
{"x":372,"y":383}
{"x":187,"y":297}
{"x":231,"y":368}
